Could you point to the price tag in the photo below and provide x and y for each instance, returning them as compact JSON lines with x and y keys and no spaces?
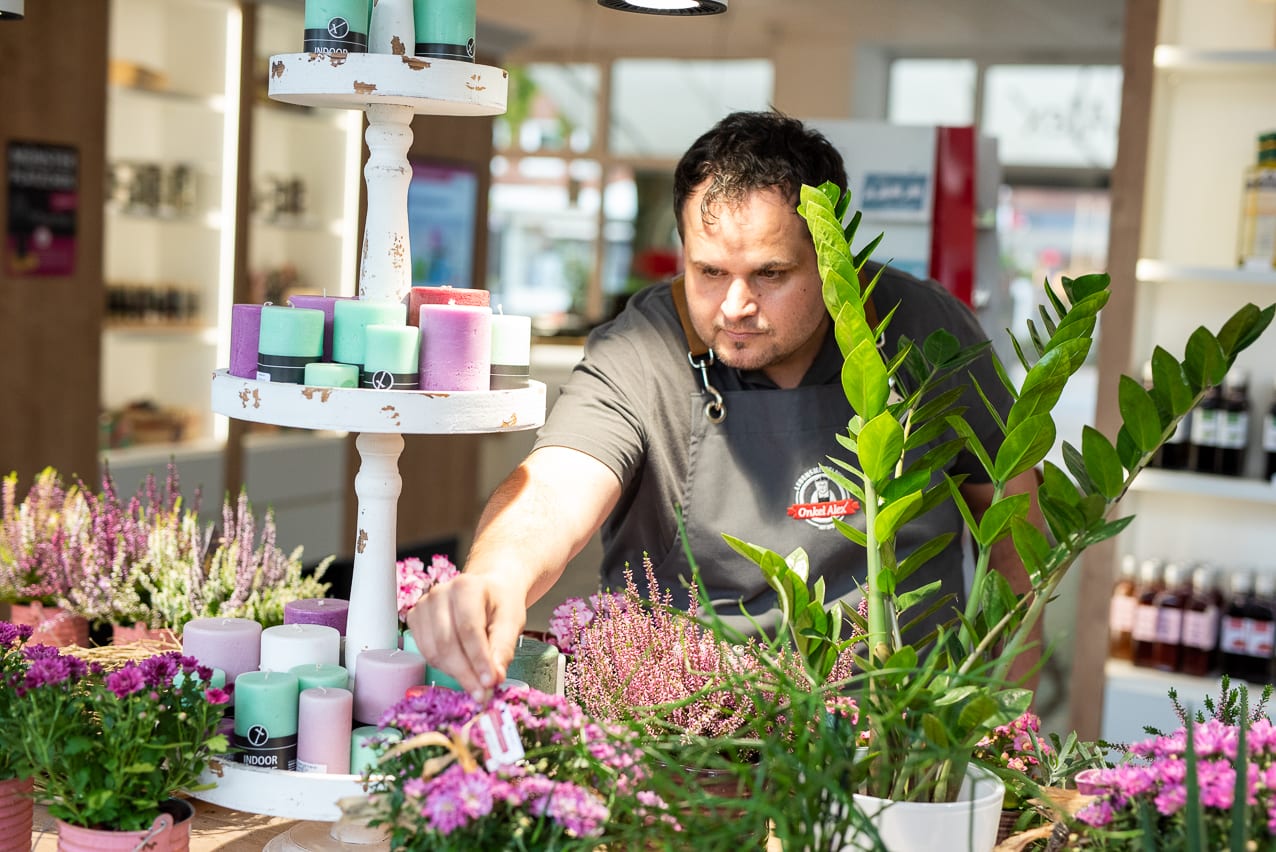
{"x":500,"y":735}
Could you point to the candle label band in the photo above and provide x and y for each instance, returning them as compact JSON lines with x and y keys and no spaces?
{"x":337,"y":37}
{"x":259,"y":748}
{"x":290,"y":369}
{"x":307,"y":766}
{"x":510,"y":376}
{"x":385,"y":380}
{"x":441,"y":50}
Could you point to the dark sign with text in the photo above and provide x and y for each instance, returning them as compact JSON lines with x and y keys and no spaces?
{"x":43,"y":194}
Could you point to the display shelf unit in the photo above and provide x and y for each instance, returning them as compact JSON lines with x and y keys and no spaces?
{"x":1204,"y":78}
{"x":391,"y":90}
{"x":1135,"y":697}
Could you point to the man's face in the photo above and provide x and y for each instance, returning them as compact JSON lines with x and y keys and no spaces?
{"x":753,"y":288}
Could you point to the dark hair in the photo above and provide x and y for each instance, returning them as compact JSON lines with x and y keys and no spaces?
{"x":751,"y":151}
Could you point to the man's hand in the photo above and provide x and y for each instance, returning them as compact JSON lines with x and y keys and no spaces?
{"x":468,"y":627}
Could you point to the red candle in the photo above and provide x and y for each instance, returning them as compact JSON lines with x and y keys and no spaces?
{"x":419,"y":296}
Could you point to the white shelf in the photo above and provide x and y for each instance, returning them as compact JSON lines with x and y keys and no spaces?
{"x":1205,"y":485}
{"x":278,"y":792}
{"x":429,"y":86}
{"x":1161,"y":272}
{"x":216,"y":103}
{"x":379,"y":411}
{"x":1169,"y":57}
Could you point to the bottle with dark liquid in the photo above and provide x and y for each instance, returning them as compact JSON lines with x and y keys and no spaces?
{"x":1233,"y":423}
{"x":1204,"y":433}
{"x":1249,"y":628}
{"x":1121,"y":610}
{"x":1143,"y":631}
{"x":1269,"y":440}
{"x":1198,"y":654}
{"x":1170,"y":603}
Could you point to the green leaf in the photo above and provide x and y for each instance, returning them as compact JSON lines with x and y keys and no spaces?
{"x":864,"y":380}
{"x":1236,"y":330}
{"x":923,"y":553}
{"x":1101,"y":462}
{"x":850,"y":328}
{"x":1087,"y":285}
{"x":1063,"y":520}
{"x":1204,"y":362}
{"x":906,"y":600}
{"x":1057,"y":484}
{"x":855,"y":534}
{"x":1105,"y":531}
{"x":1030,"y":544}
{"x":1025,"y":446}
{"x":881,"y":445}
{"x":1046,"y":380}
{"x":995,"y":524}
{"x":915,"y":480}
{"x":1128,"y":452}
{"x":1168,"y":377}
{"x":956,"y":696}
{"x":937,"y":457}
{"x":1047,"y":322}
{"x":940,"y":346}
{"x":964,"y":429}
{"x":1138,"y":412}
{"x":962,"y":506}
{"x":894,"y":515}
{"x":933,"y":731}
{"x":978,"y":710}
{"x":938,"y":405}
{"x":1076,"y":465}
{"x":865,"y":253}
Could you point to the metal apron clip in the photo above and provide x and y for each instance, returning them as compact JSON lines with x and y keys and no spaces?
{"x":715,"y":410}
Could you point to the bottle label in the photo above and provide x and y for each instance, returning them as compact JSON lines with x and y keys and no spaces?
{"x":1205,"y":427}
{"x":1200,"y":629}
{"x":1234,"y":637}
{"x":1262,"y":637}
{"x":1269,"y":433}
{"x":1121,"y":614}
{"x":1233,"y":430}
{"x":1169,"y":625}
{"x":1144,"y":629}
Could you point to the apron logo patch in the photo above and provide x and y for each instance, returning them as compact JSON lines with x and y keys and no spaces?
{"x":818,"y":500}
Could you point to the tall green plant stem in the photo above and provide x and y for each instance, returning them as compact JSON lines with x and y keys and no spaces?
{"x":877,"y":616}
{"x":982,"y":559}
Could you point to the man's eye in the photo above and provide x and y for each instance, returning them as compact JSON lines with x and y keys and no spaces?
{"x":769,"y":274}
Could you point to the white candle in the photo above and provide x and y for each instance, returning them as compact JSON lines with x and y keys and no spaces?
{"x":323,"y":726}
{"x":290,"y":645}
{"x":511,"y":351}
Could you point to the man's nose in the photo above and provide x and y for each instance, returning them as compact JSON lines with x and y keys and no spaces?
{"x":738,"y":302}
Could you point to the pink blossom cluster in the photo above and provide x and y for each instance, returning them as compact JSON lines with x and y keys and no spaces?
{"x":1161,"y":778}
{"x":1011,"y":745}
{"x":573,"y":615}
{"x":416,"y":579}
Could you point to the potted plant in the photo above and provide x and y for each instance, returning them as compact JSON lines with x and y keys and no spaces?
{"x":111,"y":748}
{"x":927,"y":703}
{"x":453,"y":784}
{"x":16,"y":806}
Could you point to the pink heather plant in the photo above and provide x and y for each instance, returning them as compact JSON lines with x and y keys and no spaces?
{"x":646,"y":662}
{"x":576,"y":778}
{"x":416,"y":578}
{"x":573,"y":615}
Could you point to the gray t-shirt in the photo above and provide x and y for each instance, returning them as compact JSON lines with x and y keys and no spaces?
{"x":626,"y":405}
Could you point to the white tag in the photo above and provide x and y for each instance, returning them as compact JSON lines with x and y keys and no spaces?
{"x":306,"y":766}
{"x":500,"y":734}
{"x":263,"y":377}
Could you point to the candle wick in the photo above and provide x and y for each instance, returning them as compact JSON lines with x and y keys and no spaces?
{"x":520,"y":643}
{"x":500,"y":309}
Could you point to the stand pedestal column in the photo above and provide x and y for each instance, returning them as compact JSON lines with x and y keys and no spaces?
{"x":374,"y":619}
{"x":385,"y":267}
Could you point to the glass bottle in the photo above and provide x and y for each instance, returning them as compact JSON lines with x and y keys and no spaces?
{"x":1233,"y":423}
{"x":1257,"y":246}
{"x":1262,"y":628}
{"x":1170,"y":603}
{"x":1233,"y":637}
{"x":1143,"y":631}
{"x":1204,"y":434}
{"x":1198,"y":653}
{"x":1121,"y":609}
{"x":1269,"y":439}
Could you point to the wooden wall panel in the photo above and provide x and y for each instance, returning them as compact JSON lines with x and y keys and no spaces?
{"x":53,"y":80}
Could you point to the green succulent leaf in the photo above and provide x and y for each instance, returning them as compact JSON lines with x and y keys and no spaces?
{"x":1057,"y":484}
{"x":995,"y":524}
{"x":1024,"y":447}
{"x":936,"y":457}
{"x":1204,"y":361}
{"x":905,"y":601}
{"x":914,"y":480}
{"x":977,"y":711}
{"x":964,"y":429}
{"x":864,"y":380}
{"x":1138,"y":412}
{"x":940,"y":345}
{"x":1243,"y":328}
{"x":881,"y":445}
{"x":1030,"y":544}
{"x":933,"y":731}
{"x":855,"y":534}
{"x":1077,"y":467}
{"x":1046,"y":380}
{"x":922,"y":554}
{"x":1101,"y":462}
{"x":1078,"y":289}
{"x":1168,"y":378}
{"x":894,"y":515}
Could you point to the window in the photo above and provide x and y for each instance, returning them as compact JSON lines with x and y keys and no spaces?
{"x":932,"y":91}
{"x":1054,"y":115}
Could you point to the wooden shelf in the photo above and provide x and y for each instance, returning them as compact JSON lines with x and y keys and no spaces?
{"x":1205,"y":485}
{"x":216,"y":103}
{"x":1161,"y":272}
{"x":1169,"y":57}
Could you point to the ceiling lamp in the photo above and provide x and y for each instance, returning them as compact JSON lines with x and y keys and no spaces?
{"x":11,"y":10}
{"x":665,"y":7}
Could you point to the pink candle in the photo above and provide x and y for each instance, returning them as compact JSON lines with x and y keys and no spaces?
{"x":245,"y":331}
{"x":323,"y":730}
{"x":382,"y":678}
{"x":330,"y":612}
{"x":230,"y":644}
{"x":327,"y":304}
{"x":419,"y":296}
{"x":456,"y":347}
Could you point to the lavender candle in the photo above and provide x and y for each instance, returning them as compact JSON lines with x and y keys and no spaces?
{"x":323,"y":725}
{"x":330,"y":612}
{"x":382,"y":678}
{"x":245,"y":331}
{"x":230,"y":644}
{"x":456,"y":347}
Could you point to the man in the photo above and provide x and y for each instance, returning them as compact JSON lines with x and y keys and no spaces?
{"x":720,"y":394}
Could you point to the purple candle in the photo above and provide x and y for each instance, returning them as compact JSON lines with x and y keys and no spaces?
{"x":245,"y":330}
{"x":456,"y":347}
{"x":230,"y":644}
{"x":382,"y":677}
{"x":323,"y":730}
{"x":330,"y":612}
{"x":327,"y":304}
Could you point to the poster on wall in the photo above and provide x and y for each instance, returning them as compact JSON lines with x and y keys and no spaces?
{"x":43,"y":196}
{"x":442,"y":210}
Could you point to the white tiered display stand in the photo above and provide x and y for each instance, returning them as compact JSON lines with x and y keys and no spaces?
{"x":391,"y":89}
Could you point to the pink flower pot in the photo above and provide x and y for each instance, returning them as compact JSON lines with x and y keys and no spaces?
{"x":157,"y":838}
{"x":16,"y":809}
{"x":122,"y":634}
{"x":53,"y":625}
{"x":183,"y":813}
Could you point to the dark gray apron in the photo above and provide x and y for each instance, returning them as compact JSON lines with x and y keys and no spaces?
{"x":756,"y":475}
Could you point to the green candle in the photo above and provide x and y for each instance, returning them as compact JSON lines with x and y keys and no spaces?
{"x":438,"y":677}
{"x":391,"y":356}
{"x":350,"y":321}
{"x":321,"y":674}
{"x":336,"y":26}
{"x":444,"y":28}
{"x":290,"y":338}
{"x":320,"y":375}
{"x":266,"y":719}
{"x":365,"y":746}
{"x":535,"y":663}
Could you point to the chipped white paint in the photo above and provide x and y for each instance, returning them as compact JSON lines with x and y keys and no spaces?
{"x":428,"y":86}
{"x":382,"y":411}
{"x":277,"y":792}
{"x":393,"y":28}
{"x":385,"y":273}
{"x":373,"y":621}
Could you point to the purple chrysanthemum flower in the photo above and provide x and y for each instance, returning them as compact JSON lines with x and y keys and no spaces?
{"x":126,"y":681}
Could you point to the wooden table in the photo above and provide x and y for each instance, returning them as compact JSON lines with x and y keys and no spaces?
{"x":214,"y":828}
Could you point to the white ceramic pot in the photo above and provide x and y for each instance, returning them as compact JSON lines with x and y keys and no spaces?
{"x":970,"y":823}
